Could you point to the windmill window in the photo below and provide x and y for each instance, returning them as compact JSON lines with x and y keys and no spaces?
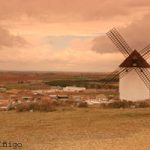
{"x":134,"y":61}
{"x":134,"y":64}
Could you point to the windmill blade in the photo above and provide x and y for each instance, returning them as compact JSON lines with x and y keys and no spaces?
{"x":117,"y":45}
{"x":146,"y":57}
{"x":114,"y":75}
{"x":145,"y":52}
{"x":119,"y":42}
{"x":119,"y":36}
{"x":142,"y":74}
{"x":145,"y":70}
{"x":125,"y":72}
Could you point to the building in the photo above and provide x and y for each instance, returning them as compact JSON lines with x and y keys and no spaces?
{"x":131,"y":86}
{"x":74,"y":89}
{"x":134,"y":75}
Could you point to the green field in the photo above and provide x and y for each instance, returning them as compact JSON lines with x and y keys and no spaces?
{"x":42,"y":80}
{"x":78,"y":129}
{"x":90,"y":83}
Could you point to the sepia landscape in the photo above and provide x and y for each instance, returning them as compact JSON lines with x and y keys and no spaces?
{"x":68,"y":125}
{"x":74,"y":75}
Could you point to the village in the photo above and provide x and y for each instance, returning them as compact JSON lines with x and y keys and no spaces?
{"x":12,"y":97}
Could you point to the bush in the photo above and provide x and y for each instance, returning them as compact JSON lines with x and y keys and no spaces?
{"x":22,"y":107}
{"x":81,"y":104}
{"x":42,"y":107}
{"x":125,"y":104}
{"x":69,"y":102}
{"x":10,"y":107}
{"x":117,"y":104}
{"x":142,"y":104}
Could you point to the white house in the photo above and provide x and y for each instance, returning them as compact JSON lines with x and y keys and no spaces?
{"x":74,"y":89}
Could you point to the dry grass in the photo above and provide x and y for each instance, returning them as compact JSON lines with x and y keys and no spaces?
{"x":79,"y":129}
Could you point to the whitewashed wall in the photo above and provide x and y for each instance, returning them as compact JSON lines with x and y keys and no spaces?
{"x":131,"y":87}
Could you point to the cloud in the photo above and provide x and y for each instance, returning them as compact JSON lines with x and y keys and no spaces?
{"x":76,"y":57}
{"x":67,"y":10}
{"x":137,"y":35}
{"x":102,"y":45}
{"x":47,"y":23}
{"x":9,"y":40}
{"x":67,"y":60}
{"x":61,"y":42}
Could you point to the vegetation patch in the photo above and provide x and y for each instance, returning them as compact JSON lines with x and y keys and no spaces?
{"x":88,"y":83}
{"x":42,"y":107}
{"x":125,"y":104}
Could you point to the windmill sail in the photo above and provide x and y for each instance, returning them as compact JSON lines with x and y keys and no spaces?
{"x":145,"y":52}
{"x":119,"y":42}
{"x":115,"y":75}
{"x":134,"y":77}
{"x":143,"y":75}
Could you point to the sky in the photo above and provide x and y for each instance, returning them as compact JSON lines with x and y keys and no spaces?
{"x":69,"y":35}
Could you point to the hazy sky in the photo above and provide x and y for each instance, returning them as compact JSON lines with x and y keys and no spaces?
{"x":69,"y":35}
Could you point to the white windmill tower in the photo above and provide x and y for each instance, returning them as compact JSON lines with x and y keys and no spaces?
{"x":134,"y":76}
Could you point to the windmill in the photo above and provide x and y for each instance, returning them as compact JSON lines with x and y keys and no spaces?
{"x":133,"y":72}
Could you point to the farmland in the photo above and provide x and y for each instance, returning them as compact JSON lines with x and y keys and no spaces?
{"x":32,"y":80}
{"x":78,"y":129}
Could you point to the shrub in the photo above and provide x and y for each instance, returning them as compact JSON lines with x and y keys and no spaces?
{"x":142,"y":104}
{"x":10,"y":107}
{"x":45,"y":106}
{"x":22,"y":107}
{"x":103,"y":105}
{"x":117,"y":104}
{"x":42,"y":107}
{"x":125,"y":104}
{"x":81,"y":104}
{"x":69,"y":102}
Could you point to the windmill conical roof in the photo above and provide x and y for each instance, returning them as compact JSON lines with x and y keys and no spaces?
{"x":135,"y":60}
